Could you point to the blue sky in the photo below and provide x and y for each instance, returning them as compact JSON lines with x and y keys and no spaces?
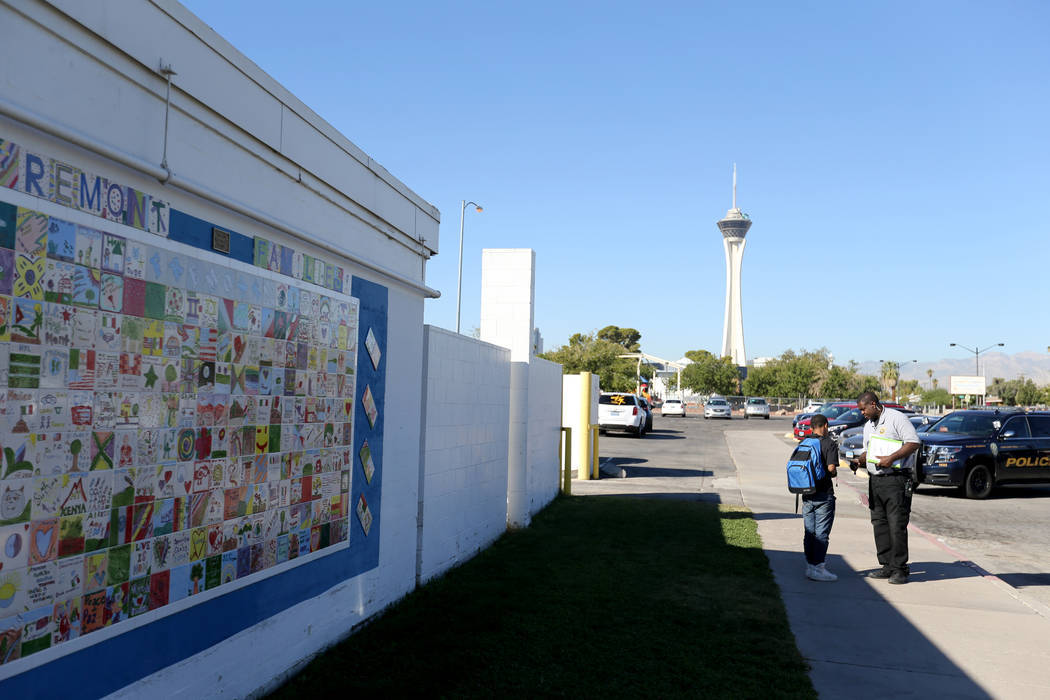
{"x":893,"y":156}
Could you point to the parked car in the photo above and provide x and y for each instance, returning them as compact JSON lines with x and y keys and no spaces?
{"x":841,"y":416}
{"x":673,"y":407}
{"x":621,"y":411}
{"x":853,"y":418}
{"x":717,"y":407}
{"x":831,"y":411}
{"x":922,"y":422}
{"x":851,"y":440}
{"x":851,"y":443}
{"x":756,"y":407}
{"x":809,"y":411}
{"x":644,"y":402}
{"x":977,"y":450}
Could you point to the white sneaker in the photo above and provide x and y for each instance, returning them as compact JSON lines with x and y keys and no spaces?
{"x":820,"y":573}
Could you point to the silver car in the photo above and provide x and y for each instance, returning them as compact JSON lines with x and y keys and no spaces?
{"x":717,"y":408}
{"x":756,"y":407}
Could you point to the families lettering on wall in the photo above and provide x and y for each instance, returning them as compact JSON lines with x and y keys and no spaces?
{"x":168,"y":424}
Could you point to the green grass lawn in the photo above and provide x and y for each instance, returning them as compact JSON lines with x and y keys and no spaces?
{"x":599,"y":596}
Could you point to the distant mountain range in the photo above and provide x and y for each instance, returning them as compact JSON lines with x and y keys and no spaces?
{"x":1032,"y":365}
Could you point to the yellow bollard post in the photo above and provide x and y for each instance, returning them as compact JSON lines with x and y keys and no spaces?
{"x":582,"y":443}
{"x":566,"y":445}
{"x":594,"y":449}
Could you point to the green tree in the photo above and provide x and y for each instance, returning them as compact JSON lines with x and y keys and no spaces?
{"x":839,"y":382}
{"x":1027,"y":393}
{"x":889,"y":375}
{"x":627,"y":338}
{"x":907,"y":387}
{"x":937,"y":397}
{"x":709,"y":374}
{"x":588,"y":353}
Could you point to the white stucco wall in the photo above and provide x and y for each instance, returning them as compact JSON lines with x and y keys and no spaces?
{"x":467,"y":387}
{"x":544,"y":432}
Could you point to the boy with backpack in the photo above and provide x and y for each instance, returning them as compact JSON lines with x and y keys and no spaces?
{"x":810,"y":471}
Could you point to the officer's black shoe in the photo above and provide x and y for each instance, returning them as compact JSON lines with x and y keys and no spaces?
{"x":899,"y":577}
{"x":884,"y":572}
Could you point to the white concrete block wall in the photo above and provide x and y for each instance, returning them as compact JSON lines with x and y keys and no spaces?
{"x":544,"y":471}
{"x":464,"y":492}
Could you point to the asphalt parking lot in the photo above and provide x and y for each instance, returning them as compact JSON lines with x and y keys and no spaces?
{"x":1008,"y":534}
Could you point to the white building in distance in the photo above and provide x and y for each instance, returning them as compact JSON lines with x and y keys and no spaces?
{"x":734,"y":228}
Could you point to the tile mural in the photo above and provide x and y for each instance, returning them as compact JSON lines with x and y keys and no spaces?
{"x":166,"y":426}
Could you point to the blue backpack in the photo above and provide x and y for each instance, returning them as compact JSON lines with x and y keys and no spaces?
{"x":805,"y":468}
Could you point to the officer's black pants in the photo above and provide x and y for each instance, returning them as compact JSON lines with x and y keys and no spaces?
{"x":890,"y":506}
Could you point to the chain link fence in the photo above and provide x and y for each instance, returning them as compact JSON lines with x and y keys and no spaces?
{"x":778,"y":405}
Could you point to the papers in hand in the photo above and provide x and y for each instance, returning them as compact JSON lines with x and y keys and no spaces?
{"x":880,"y":447}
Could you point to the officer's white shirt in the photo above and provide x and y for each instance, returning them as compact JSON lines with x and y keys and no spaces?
{"x":894,"y":425}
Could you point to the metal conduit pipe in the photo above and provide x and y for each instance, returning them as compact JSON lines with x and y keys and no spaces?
{"x":53,"y":128}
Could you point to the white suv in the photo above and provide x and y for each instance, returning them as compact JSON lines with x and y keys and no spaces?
{"x":673,"y":407}
{"x":621,"y":411}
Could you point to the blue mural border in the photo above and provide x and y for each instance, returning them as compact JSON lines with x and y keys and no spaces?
{"x":111,"y":664}
{"x":374,"y":301}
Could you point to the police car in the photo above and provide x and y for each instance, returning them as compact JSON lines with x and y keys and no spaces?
{"x":978,"y":450}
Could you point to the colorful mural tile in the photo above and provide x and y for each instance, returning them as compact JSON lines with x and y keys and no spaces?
{"x":85,"y":286}
{"x":134,"y":296}
{"x":29,"y":277}
{"x":155,"y":300}
{"x":7,"y":271}
{"x":31,"y":232}
{"x":113,"y":248}
{"x":88,"y":247}
{"x":135,"y":260}
{"x":111,"y":292}
{"x":58,"y":281}
{"x":61,"y":239}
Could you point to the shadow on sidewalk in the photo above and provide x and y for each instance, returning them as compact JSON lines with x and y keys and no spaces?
{"x":712,"y":498}
{"x":858,"y":644}
{"x":1020,"y":580}
{"x":763,"y":516}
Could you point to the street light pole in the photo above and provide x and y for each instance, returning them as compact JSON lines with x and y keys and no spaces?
{"x":976,"y":354}
{"x":459,"y":277}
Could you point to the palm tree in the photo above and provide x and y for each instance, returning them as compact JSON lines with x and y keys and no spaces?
{"x":929,"y":375}
{"x":889,"y":373}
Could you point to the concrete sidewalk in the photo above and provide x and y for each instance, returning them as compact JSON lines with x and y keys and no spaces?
{"x":953,"y":631}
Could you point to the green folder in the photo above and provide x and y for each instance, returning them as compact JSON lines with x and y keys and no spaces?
{"x":879,"y":446}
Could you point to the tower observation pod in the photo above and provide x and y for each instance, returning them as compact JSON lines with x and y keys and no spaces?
{"x":734,"y":228}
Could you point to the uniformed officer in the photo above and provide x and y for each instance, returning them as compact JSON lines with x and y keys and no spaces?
{"x":892,"y":441}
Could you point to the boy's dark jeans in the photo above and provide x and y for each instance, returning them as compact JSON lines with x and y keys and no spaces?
{"x":818,"y":514}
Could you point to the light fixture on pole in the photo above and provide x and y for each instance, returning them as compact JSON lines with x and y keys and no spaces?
{"x":459,"y":279}
{"x":976,"y":354}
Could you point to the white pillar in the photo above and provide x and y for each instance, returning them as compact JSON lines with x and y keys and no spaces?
{"x":508,"y":284}
{"x":733,"y":327}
